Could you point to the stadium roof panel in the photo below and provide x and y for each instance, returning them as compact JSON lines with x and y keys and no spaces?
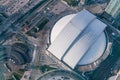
{"x":85,"y":42}
{"x":76,"y":38}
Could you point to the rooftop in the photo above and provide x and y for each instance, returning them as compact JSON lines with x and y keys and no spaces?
{"x":80,"y":39}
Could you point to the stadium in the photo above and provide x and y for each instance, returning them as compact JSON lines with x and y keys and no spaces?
{"x":80,"y":41}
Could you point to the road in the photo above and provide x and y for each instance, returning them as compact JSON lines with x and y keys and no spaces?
{"x":34,"y":53}
{"x":116,"y":31}
{"x":18,"y":24}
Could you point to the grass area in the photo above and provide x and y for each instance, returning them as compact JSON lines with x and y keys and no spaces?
{"x":17,"y":76}
{"x":21,"y":71}
{"x":72,"y":2}
{"x":41,"y":25}
{"x":46,"y":68}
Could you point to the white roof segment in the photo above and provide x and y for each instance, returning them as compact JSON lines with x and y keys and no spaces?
{"x":69,"y":33}
{"x":82,"y":19}
{"x":75,"y":37}
{"x":86,"y":40}
{"x":97,"y":48}
{"x":66,"y":36}
{"x":58,"y":27}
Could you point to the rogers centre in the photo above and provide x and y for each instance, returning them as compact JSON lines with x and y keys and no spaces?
{"x":79,"y":40}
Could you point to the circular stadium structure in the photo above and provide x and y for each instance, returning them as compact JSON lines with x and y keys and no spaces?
{"x":80,"y":41}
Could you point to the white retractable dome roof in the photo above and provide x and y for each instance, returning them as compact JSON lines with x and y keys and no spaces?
{"x":78,"y":39}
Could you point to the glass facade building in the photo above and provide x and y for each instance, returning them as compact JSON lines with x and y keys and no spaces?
{"x":113,"y":9}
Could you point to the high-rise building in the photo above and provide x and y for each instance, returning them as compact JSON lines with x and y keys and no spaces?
{"x":113,"y":9}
